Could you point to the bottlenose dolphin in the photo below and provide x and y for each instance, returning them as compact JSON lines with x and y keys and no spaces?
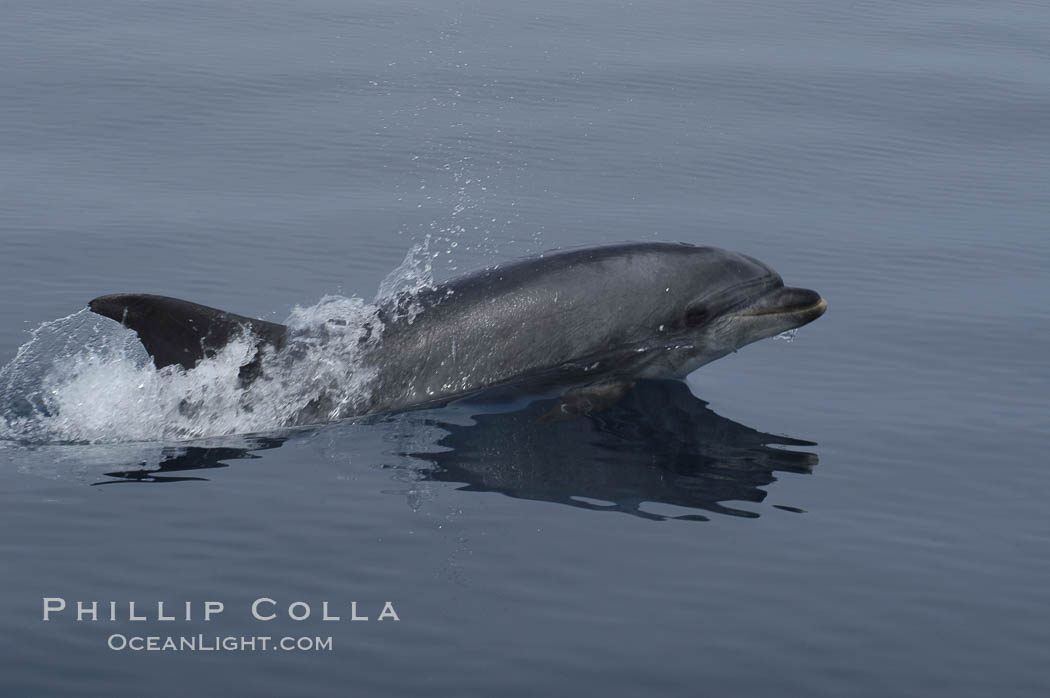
{"x":589,"y":320}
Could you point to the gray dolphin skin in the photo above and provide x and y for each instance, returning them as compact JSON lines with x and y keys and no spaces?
{"x":589,"y":321}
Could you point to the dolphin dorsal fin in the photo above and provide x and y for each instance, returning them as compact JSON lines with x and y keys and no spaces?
{"x":179,"y":332}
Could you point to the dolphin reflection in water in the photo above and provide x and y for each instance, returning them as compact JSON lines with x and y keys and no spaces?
{"x":658,"y":448}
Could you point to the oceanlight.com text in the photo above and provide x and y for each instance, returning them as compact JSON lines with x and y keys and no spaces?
{"x":218,"y":643}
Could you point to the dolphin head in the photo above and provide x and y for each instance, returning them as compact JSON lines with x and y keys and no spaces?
{"x":706,"y":302}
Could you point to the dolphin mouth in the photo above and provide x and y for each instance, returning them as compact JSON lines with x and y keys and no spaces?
{"x":802,"y":303}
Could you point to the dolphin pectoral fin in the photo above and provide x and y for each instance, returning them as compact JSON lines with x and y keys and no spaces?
{"x":179,"y":332}
{"x":588,"y":399}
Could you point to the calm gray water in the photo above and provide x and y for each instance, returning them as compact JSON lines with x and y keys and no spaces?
{"x":861,"y":511}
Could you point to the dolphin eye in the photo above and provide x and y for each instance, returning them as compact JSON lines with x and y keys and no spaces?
{"x":696,"y":315}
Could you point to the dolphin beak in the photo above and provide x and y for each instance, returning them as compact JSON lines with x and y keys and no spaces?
{"x":805,"y":305}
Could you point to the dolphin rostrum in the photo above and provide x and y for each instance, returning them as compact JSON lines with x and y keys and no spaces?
{"x":590,"y":321}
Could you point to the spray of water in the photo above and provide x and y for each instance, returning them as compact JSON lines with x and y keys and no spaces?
{"x":400,"y":290}
{"x":87,"y":379}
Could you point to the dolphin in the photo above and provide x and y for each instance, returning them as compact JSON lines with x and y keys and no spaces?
{"x":586,"y":322}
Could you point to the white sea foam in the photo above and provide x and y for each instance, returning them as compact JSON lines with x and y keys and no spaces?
{"x":85,"y":378}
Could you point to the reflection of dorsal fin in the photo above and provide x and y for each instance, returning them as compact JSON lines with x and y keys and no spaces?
{"x":180,"y":332}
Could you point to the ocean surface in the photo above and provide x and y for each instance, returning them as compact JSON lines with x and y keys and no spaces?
{"x":860,"y":511}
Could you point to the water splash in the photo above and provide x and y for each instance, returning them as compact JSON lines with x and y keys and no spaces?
{"x":401,"y":287}
{"x":84,"y":378}
{"x":787,"y":335}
